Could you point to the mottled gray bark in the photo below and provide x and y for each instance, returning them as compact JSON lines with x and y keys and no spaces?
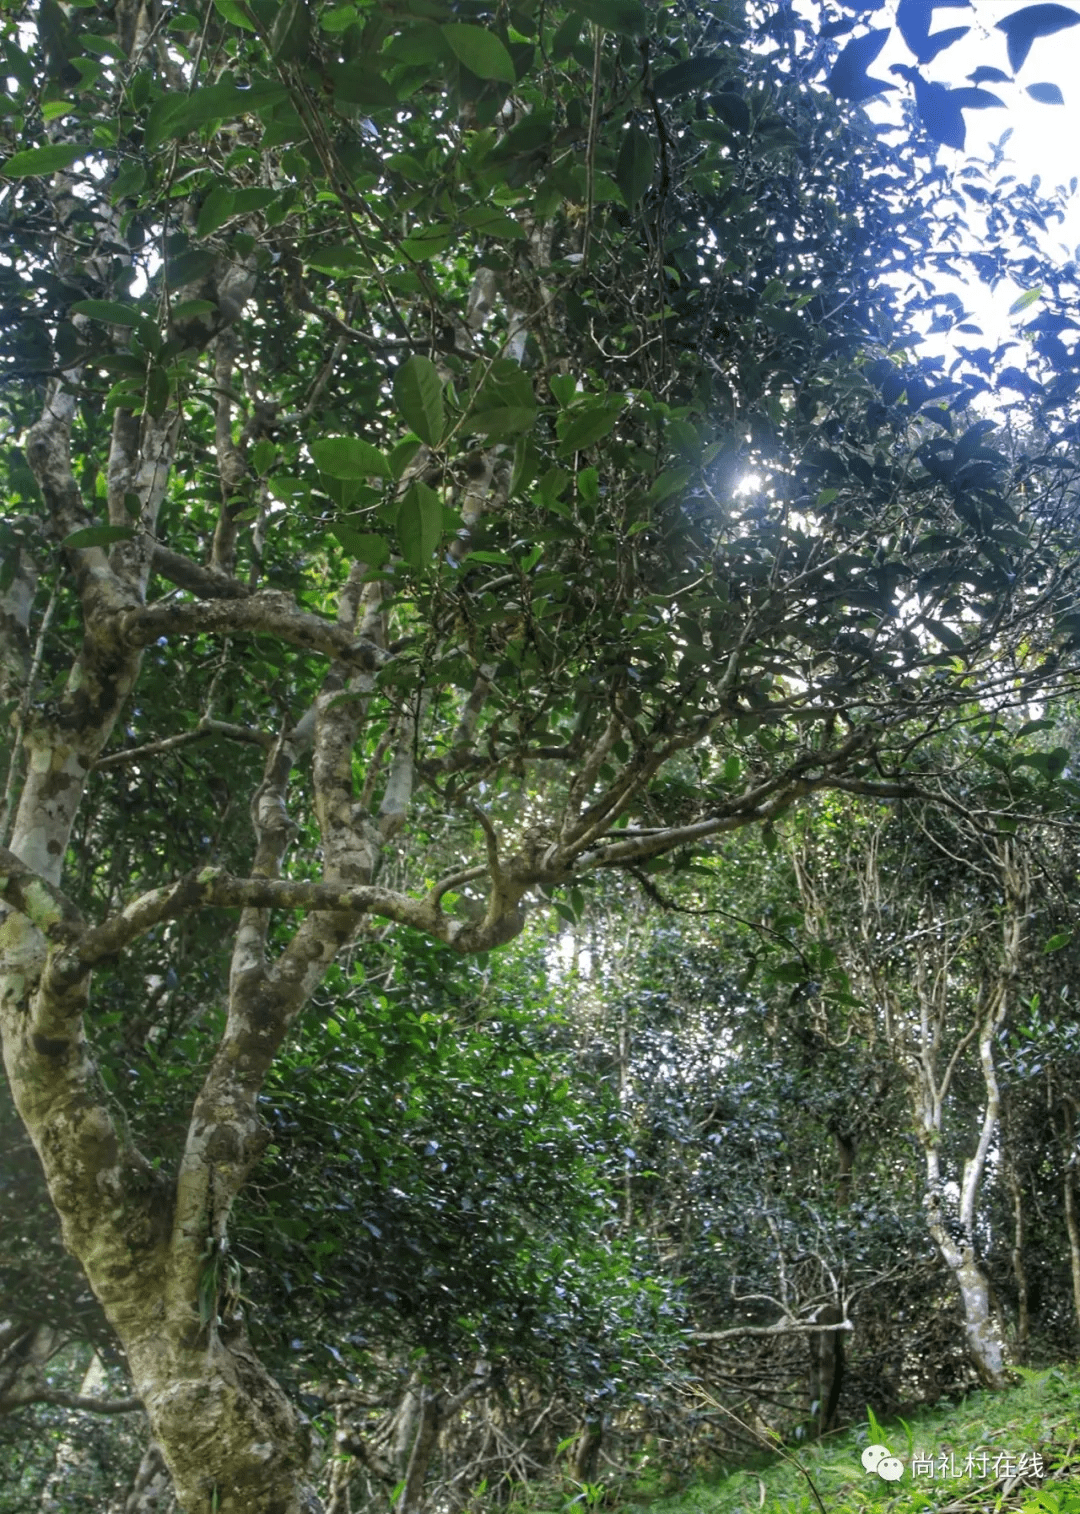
{"x":152,"y":1490}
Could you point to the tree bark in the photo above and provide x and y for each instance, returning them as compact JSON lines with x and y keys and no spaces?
{"x":152,"y":1490}
{"x":428,"y":1423}
{"x":826,"y":1369}
{"x":587,"y":1450}
{"x":1023,"y":1326}
{"x":986,"y":1341}
{"x":1072,"y":1224}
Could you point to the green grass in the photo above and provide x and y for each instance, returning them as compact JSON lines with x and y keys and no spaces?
{"x":1041,"y":1415}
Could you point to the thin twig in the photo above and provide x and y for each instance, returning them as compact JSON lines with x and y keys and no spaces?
{"x":590,"y":151}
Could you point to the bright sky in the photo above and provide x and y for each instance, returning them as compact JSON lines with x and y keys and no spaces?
{"x":1045,"y":139}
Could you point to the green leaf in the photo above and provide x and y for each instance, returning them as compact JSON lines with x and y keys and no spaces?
{"x":588,"y":484}
{"x":402,"y":454}
{"x":108,"y":311}
{"x":287,"y":489}
{"x":671,"y":481}
{"x":90,"y":70}
{"x":526,"y":137}
{"x":98,"y":536}
{"x":335,"y":257}
{"x":262,"y":455}
{"x":628,"y":17}
{"x":692,"y":73}
{"x":427,"y":241}
{"x":290,"y":38}
{"x":581,"y":428}
{"x":506,"y":420}
{"x":256,"y":198}
{"x":234,"y":13}
{"x":188,"y":310}
{"x":42,"y":160}
{"x":788,"y":972}
{"x":160,"y":118}
{"x":339,"y":19}
{"x":489,"y":221}
{"x":636,"y":164}
{"x":105,"y":47}
{"x":189,"y":268}
{"x":566,"y":35}
{"x":421,"y":43}
{"x":174,"y":115}
{"x":364,"y":547}
{"x":1027,"y":298}
{"x":563,"y":386}
{"x":129,"y":180}
{"x":1055,"y":943}
{"x":481,"y":52}
{"x":349,"y":457}
{"x":359,"y":83}
{"x":418,"y":396}
{"x":215,"y":211}
{"x":157,"y":390}
{"x":419,"y":524}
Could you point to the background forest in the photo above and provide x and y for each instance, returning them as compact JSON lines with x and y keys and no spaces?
{"x":539,"y":822}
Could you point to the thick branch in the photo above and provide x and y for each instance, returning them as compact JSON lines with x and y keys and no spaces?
{"x":73,"y":1401}
{"x":54,"y":914}
{"x":270,"y":612}
{"x":215,"y":888}
{"x":781,"y":1327}
{"x":207,"y":583}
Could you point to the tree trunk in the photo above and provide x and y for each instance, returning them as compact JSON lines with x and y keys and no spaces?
{"x":230,"y":1437}
{"x":1073,"y":1231}
{"x":844,"y":1144}
{"x":827,"y":1348}
{"x":1023,"y":1319}
{"x":427,"y":1434}
{"x":1068,"y":1188}
{"x":985,"y":1338}
{"x":826,"y":1369}
{"x":587,"y":1450}
{"x":228,"y":1433}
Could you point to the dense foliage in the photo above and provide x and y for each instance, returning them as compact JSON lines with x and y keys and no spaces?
{"x":460,"y":463}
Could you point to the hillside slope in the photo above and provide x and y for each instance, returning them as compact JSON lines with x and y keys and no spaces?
{"x":1017,"y":1450}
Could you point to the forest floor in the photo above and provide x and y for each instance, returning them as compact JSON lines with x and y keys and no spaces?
{"x":987,"y":1454}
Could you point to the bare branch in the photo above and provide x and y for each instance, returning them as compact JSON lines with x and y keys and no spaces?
{"x":248,"y":734}
{"x":207,"y":583}
{"x":781,"y":1327}
{"x":83,"y":1401}
{"x":231,"y":467}
{"x":268,"y":611}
